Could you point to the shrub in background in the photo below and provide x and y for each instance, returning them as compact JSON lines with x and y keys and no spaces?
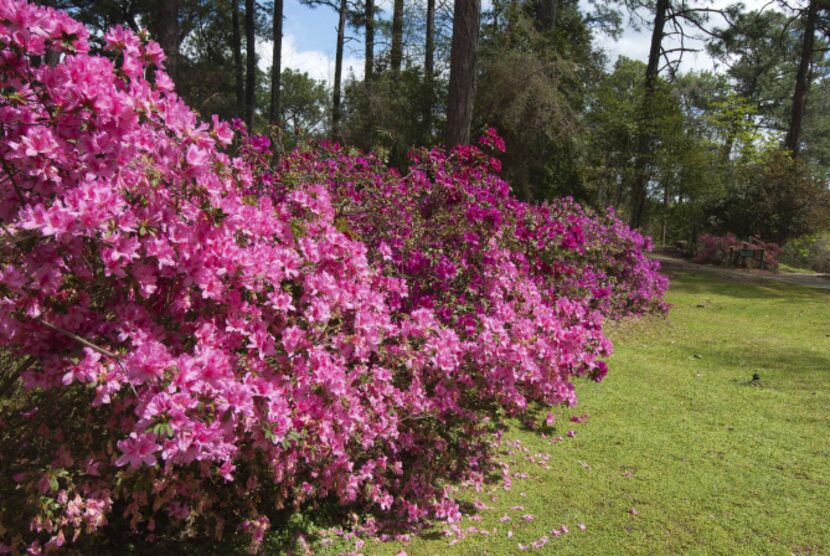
{"x":717,"y":250}
{"x":774,"y":198}
{"x":811,"y":251}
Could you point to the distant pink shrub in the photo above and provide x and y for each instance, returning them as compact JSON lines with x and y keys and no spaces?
{"x":712,"y":249}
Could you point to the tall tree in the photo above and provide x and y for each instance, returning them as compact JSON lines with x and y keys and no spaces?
{"x":236,"y":47}
{"x":757,"y":50}
{"x":165,"y":29}
{"x":304,"y":102}
{"x":802,"y":80}
{"x":465,"y":34}
{"x":546,"y":12}
{"x":396,"y":55}
{"x":342,"y":7}
{"x":533,"y":91}
{"x":250,"y":69}
{"x":336,"y":109}
{"x":369,"y":40}
{"x":276,"y":66}
{"x":429,"y":71}
{"x":670,"y":17}
{"x":645,"y":140}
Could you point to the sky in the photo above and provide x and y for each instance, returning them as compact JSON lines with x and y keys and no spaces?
{"x":309,"y":36}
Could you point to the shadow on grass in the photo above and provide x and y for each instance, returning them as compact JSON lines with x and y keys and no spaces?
{"x":749,"y":359}
{"x":750,"y":287}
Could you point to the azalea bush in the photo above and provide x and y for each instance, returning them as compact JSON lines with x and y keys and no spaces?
{"x":608,"y":264}
{"x":192,"y":352}
{"x":196,"y":340}
{"x":717,"y":250}
{"x":713,"y":249}
{"x":448,"y":229}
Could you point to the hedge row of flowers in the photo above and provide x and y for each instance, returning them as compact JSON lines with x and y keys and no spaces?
{"x":204,"y":339}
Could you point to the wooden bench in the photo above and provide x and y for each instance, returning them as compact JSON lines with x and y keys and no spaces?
{"x":745,"y":254}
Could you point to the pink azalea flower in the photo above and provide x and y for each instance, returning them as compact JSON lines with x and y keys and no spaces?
{"x":539,"y":543}
{"x":137,"y":449}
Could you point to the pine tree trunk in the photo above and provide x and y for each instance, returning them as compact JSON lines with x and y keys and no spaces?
{"x":465,"y":33}
{"x":237,"y":58}
{"x":802,"y":80}
{"x":429,"y":72}
{"x":276,"y":67}
{"x":728,"y":145}
{"x":639,"y":190}
{"x":665,"y":214}
{"x":166,"y":31}
{"x":369,"y":14}
{"x":546,"y":11}
{"x":250,"y":70}
{"x":338,"y":71}
{"x":396,"y":56}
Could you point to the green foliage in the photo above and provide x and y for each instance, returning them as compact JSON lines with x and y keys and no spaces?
{"x":612,"y":128}
{"x":808,"y":252}
{"x":759,"y":52}
{"x":816,"y":149}
{"x":774,"y":198}
{"x":303,"y":104}
{"x":732,"y":118}
{"x":532,"y":87}
{"x":685,"y":165}
{"x":386,"y":112}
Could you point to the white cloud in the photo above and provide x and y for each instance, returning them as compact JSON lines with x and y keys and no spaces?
{"x":317,"y":63}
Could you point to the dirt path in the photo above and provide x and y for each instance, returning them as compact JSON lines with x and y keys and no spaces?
{"x":816,"y":280}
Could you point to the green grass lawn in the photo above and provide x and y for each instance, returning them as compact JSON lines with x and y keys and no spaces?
{"x":710,"y":463}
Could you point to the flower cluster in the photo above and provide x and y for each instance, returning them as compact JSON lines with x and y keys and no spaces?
{"x":434,"y":224}
{"x":203,"y":340}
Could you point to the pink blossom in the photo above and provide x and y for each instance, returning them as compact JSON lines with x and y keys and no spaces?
{"x":137,"y":449}
{"x":197,"y":158}
{"x":540,"y":542}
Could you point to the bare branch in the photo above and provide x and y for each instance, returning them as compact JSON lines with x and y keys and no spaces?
{"x":81,"y":340}
{"x":681,"y":49}
{"x":12,"y":378}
